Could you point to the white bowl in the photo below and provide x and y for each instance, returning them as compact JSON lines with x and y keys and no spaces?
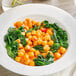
{"x":38,"y":12}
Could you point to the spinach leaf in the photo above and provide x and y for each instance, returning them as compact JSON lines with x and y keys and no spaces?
{"x":44,"y":22}
{"x":9,"y":51}
{"x":28,"y":31}
{"x":40,"y":60}
{"x":12,"y":49}
{"x":39,"y":47}
{"x":55,"y":26}
{"x":21,"y":29}
{"x":55,"y":36}
{"x":63,"y":34}
{"x":55,"y":47}
{"x":36,"y":27}
{"x":12,"y":35}
{"x":23,"y":40}
{"x":47,"y":26}
{"x":64,"y":44}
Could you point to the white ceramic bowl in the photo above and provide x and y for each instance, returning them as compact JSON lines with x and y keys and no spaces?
{"x":38,"y":12}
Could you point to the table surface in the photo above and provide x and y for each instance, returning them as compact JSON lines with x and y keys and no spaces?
{"x":67,"y":5}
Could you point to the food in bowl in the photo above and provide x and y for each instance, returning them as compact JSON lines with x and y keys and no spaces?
{"x":36,"y":44}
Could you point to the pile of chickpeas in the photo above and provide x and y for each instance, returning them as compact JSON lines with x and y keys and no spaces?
{"x":35,"y":37}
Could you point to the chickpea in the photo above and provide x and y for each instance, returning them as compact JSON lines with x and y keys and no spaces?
{"x":49,"y":32}
{"x":26,"y":56}
{"x":51,"y":53}
{"x":44,"y":54}
{"x":20,"y":54}
{"x":57,"y":55}
{"x":44,"y":43}
{"x":34,"y":38}
{"x":33,"y":22}
{"x":27,"y":40}
{"x":39,"y":41}
{"x":34,"y":43}
{"x":32,"y":63}
{"x":62,"y":50}
{"x":20,"y":46}
{"x":18,"y":24}
{"x":29,"y":43}
{"x":26,"y":27}
{"x":37,"y":52}
{"x":33,"y":32}
{"x":21,"y":50}
{"x":32,"y":50}
{"x":51,"y":42}
{"x":30,"y":37}
{"x":26,"y":62}
{"x":27,"y":47}
{"x":46,"y":48}
{"x":18,"y":40}
{"x":37,"y":23}
{"x":31,"y":54}
{"x":25,"y":23}
{"x":28,"y":34}
{"x":17,"y":59}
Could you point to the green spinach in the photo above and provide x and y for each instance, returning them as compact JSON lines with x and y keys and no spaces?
{"x":40,"y":60}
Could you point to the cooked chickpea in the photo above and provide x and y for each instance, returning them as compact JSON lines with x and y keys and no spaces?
{"x":32,"y":63}
{"x":17,"y":59}
{"x":18,"y":40}
{"x":55,"y":59}
{"x":30,"y":37}
{"x":46,"y":48}
{"x":18,"y":24}
{"x":49,"y":32}
{"x":37,"y":23}
{"x":25,"y":23}
{"x":20,"y":46}
{"x":27,"y":40}
{"x":51,"y":42}
{"x":34,"y":38}
{"x":32,"y":50}
{"x":44,"y":54}
{"x":26,"y":27}
{"x":62,"y":50}
{"x":28,"y":34}
{"x":37,"y":52}
{"x":33,"y":32}
{"x":27,"y":61}
{"x":31,"y":54}
{"x":38,"y":33}
{"x":57,"y":55}
{"x":33,"y":22}
{"x":21,"y":50}
{"x":44,"y":43}
{"x":34,"y":43}
{"x":20,"y":54}
{"x":39,"y":41}
{"x":27,"y":47}
{"x":51,"y":53}
{"x":29,"y":43}
{"x":26,"y":56}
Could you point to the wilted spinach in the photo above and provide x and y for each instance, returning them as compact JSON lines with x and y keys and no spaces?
{"x":40,"y":60}
{"x":39,"y":47}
